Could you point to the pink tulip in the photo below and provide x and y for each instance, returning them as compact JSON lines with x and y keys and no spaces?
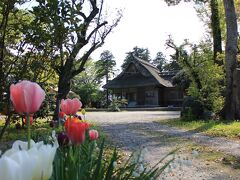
{"x":70,"y":106}
{"x":26,"y":97}
{"x":93,"y":134}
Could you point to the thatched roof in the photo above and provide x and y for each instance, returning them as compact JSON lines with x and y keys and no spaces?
{"x":145,"y":74}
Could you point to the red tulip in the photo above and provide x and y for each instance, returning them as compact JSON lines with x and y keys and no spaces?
{"x":76,"y":132}
{"x":70,"y":106}
{"x":69,"y":121}
{"x":86,"y":124}
{"x":93,"y":134}
{"x":61,"y":115}
{"x":30,"y":118}
{"x":26,"y":97}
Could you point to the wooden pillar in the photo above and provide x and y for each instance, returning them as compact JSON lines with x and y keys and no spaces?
{"x":121,"y":93}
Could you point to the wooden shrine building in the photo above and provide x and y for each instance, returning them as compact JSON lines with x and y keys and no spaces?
{"x":143,"y":85}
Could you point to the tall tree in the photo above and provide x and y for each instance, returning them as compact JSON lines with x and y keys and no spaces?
{"x":216,"y":31}
{"x":70,"y":31}
{"x":159,"y":61}
{"x":105,"y":68}
{"x":231,"y":107}
{"x":214,"y":24}
{"x":142,"y":53}
{"x":9,"y":28}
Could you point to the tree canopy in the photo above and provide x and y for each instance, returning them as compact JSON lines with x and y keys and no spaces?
{"x":142,"y":53}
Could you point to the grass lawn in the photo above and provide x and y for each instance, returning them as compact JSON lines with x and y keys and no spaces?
{"x":210,"y":127}
{"x":40,"y":130}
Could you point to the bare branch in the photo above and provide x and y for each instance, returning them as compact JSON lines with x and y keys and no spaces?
{"x":85,"y":57}
{"x":95,"y":30}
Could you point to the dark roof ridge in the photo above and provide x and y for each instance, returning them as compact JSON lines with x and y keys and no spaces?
{"x":146,"y":63}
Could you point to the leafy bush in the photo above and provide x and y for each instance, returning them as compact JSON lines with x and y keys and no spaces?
{"x":192,"y":109}
{"x":205,"y":76}
{"x":115,"y":104}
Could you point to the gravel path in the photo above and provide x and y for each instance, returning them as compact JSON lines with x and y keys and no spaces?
{"x":134,"y":130}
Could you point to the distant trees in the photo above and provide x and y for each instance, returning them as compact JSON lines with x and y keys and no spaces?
{"x":87,"y":86}
{"x":142,"y":53}
{"x":105,"y":68}
{"x":159,"y":61}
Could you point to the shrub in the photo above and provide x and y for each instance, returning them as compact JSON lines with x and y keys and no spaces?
{"x":192,"y":109}
{"x":115,"y":104}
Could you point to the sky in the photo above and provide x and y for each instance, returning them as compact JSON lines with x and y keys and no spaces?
{"x":148,"y":24}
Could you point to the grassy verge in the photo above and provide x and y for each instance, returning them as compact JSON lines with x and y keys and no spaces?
{"x":211,"y":155}
{"x":210,"y":127}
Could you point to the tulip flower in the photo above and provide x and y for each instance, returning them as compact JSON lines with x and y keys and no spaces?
{"x":22,"y":163}
{"x":31,"y":120}
{"x":87,"y":125}
{"x":61,"y":115}
{"x":44,"y":157}
{"x":63,"y":139}
{"x":93,"y":135}
{"x":26,"y":97}
{"x":70,"y":106}
{"x":76,"y":132}
{"x":10,"y":169}
{"x":69,"y":121}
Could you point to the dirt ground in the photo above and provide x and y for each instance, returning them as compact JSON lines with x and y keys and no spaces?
{"x":132,"y":131}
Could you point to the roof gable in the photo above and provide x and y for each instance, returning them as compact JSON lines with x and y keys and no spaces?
{"x":143,"y":70}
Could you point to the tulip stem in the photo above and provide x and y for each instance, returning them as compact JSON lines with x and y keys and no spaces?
{"x":28,"y":131}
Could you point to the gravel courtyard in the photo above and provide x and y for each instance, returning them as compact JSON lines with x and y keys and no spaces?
{"x":136,"y":130}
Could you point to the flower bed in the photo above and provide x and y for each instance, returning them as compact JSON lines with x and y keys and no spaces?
{"x":74,"y":153}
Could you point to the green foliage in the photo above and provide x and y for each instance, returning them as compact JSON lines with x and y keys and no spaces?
{"x":87,"y":86}
{"x":90,"y":162}
{"x":159,"y":61}
{"x":181,"y":79}
{"x":40,"y":130}
{"x":142,"y":53}
{"x":210,"y":127}
{"x":105,"y":66}
{"x":211,"y":77}
{"x":192,"y":109}
{"x":206,"y":77}
{"x":116,"y":104}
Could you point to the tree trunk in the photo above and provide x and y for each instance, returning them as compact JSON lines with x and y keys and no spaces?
{"x":3,"y":29}
{"x":230,"y":106}
{"x":107,"y":91}
{"x":216,"y":31}
{"x":236,"y":91}
{"x":63,"y":90}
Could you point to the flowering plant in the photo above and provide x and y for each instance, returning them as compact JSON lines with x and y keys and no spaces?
{"x":76,"y":153}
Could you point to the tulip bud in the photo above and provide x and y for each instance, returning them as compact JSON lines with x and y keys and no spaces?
{"x":18,"y":126}
{"x":63,"y":139}
{"x":51,"y":124}
{"x":93,"y":135}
